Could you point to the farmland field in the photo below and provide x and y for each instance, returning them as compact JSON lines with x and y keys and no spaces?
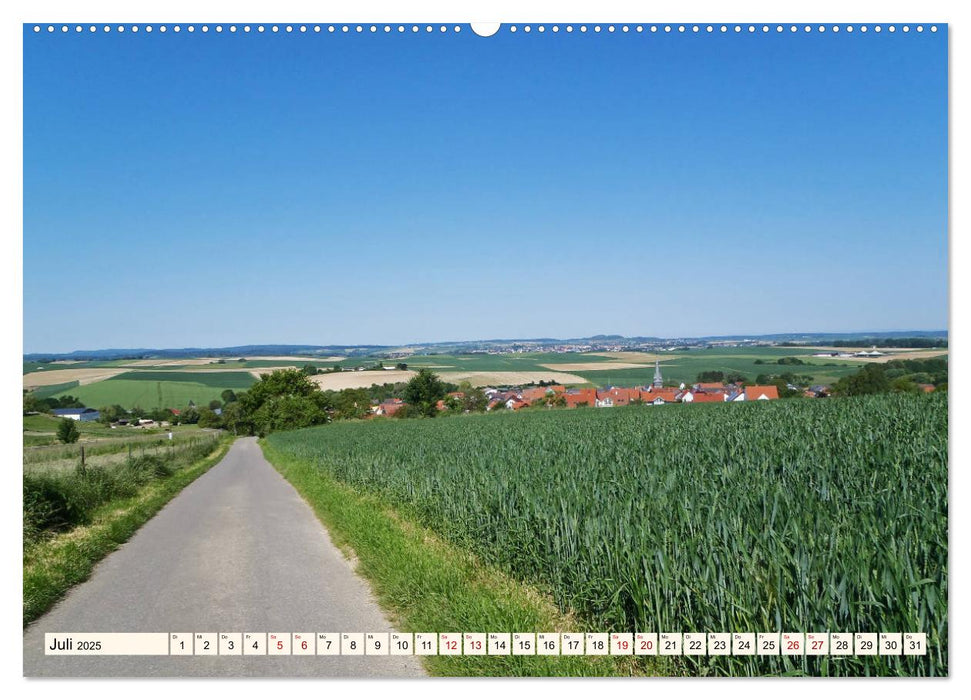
{"x":41,"y":443}
{"x":685,"y":366}
{"x":173,"y":383}
{"x":789,"y":515}
{"x":61,"y":375}
{"x":161,"y":389}
{"x":637,"y":368}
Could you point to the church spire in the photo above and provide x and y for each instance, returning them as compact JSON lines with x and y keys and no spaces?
{"x":658,"y":382}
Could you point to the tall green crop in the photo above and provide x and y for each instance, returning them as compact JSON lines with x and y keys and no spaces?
{"x":795,"y":516}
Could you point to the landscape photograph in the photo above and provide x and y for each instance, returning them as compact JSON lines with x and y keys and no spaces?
{"x":450,"y":350}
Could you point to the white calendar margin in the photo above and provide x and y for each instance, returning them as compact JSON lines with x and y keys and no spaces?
{"x":21,"y":12}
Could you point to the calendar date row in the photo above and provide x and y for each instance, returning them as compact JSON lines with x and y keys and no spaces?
{"x":488,"y":644}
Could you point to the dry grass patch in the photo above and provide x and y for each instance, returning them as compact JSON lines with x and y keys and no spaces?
{"x":81,"y":375}
{"x":511,"y":378}
{"x":335,"y":381}
{"x":637,"y":357}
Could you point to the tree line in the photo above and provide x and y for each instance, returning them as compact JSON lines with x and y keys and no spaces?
{"x":288,"y":399}
{"x":895,"y":376}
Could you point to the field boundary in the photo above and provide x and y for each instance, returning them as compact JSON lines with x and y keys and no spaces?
{"x":54,"y":566}
{"x":428,"y":585}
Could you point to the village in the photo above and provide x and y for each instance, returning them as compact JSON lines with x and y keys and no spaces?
{"x":556,"y":395}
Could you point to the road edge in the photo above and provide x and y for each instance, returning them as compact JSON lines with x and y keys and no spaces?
{"x":71,"y":557}
{"x":427,"y":585}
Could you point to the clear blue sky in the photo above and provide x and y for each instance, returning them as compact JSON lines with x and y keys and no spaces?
{"x":211,"y":190}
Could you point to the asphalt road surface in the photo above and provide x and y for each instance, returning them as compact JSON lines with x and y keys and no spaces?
{"x":237,"y":551}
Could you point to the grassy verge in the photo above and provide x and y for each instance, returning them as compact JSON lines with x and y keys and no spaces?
{"x":428,"y":585}
{"x":53,"y":565}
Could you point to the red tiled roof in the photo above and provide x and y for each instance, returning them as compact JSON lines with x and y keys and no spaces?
{"x":534,"y":394}
{"x":668,"y":393}
{"x":619,"y":396}
{"x":752,"y":393}
{"x":710,"y":386}
{"x":711,"y":397}
{"x":574,"y":397}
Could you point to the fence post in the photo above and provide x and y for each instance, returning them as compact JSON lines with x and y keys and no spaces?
{"x":82,"y":460}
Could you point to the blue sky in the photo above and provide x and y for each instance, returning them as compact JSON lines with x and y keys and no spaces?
{"x":223,"y":189}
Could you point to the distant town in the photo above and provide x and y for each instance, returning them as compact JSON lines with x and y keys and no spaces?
{"x":596,"y":343}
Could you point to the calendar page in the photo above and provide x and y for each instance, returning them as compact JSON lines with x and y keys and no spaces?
{"x":431,"y":349}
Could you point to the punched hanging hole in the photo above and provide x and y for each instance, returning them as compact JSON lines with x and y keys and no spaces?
{"x":485,"y":28}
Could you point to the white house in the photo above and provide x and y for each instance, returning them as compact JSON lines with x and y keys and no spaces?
{"x":79,"y":414}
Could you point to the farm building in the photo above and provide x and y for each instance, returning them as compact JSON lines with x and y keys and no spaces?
{"x":580,"y":397}
{"x":79,"y":414}
{"x":388,"y":407}
{"x":616,"y":396}
{"x":705,"y":397}
{"x":670,"y":394}
{"x":761,"y":393}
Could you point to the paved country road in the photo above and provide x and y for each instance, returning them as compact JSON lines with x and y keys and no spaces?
{"x":237,"y":551}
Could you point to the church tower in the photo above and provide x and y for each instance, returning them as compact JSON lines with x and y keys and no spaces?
{"x":658,"y":382}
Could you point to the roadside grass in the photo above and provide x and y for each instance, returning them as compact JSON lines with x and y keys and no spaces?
{"x":38,"y":455}
{"x":428,"y":585}
{"x":53,"y":564}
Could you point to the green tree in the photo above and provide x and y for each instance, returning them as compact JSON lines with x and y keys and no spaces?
{"x":209,"y":419}
{"x":162,"y":414}
{"x":236,"y":419}
{"x":309,"y":370}
{"x":282,"y":400}
{"x":110,"y":414}
{"x":214,"y":404}
{"x":67,"y":401}
{"x":228,"y":396}
{"x":406,"y":411}
{"x":905,"y":385}
{"x":352,"y":403}
{"x":870,"y":379}
{"x":281,"y":382}
{"x":473,"y":399}
{"x":711,"y":376}
{"x":287,"y":413}
{"x":67,"y":431}
{"x":424,"y":391}
{"x":33,"y":405}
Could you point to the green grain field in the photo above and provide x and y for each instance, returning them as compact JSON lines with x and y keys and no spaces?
{"x":797,"y":516}
{"x":160,"y":389}
{"x":677,"y":366}
{"x":685,"y":367}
